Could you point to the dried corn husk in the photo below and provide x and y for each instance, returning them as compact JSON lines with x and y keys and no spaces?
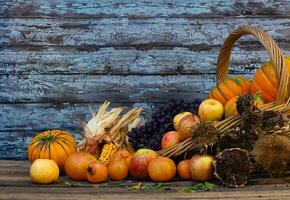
{"x":119,"y":132}
{"x":108,"y":126}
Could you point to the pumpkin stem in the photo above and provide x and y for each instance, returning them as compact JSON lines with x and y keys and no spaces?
{"x":48,"y":138}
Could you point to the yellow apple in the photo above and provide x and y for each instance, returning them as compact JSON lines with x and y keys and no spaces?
{"x":210,"y":110}
{"x":201,"y":167}
{"x":44,"y":171}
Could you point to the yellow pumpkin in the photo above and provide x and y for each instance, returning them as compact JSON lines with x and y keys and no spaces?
{"x":56,"y":145}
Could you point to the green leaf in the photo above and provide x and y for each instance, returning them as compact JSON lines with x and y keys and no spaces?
{"x":150,"y":187}
{"x":198,"y":187}
{"x":154,"y":187}
{"x":209,"y":186}
{"x":72,"y":184}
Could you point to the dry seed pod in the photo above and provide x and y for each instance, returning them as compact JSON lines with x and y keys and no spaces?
{"x":272,"y":152}
{"x":232,"y":167}
{"x":245,"y":104}
{"x":205,"y":133}
{"x":237,"y":138}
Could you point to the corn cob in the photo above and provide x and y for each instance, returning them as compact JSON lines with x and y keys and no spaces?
{"x":107,"y":151}
{"x":93,"y":150}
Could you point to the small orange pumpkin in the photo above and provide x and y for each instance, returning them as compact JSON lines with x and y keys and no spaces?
{"x":231,"y":108}
{"x":230,"y":88}
{"x":265,"y":81}
{"x":56,"y":145}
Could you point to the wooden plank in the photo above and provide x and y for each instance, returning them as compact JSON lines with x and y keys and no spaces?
{"x":16,"y":184}
{"x":94,"y":88}
{"x":90,"y":34}
{"x":87,"y":188}
{"x":39,"y":117}
{"x":48,"y":116}
{"x":14,"y":144}
{"x":113,"y":61}
{"x":12,"y":163}
{"x":269,"y":194}
{"x":141,"y":9}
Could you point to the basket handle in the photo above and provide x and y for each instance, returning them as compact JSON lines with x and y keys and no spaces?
{"x":276,"y":55}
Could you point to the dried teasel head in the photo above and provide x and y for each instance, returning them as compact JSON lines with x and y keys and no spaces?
{"x":272,"y":153}
{"x":205,"y":134}
{"x":237,"y":138}
{"x":245,"y":104}
{"x":271,"y":119}
{"x":233,"y":167}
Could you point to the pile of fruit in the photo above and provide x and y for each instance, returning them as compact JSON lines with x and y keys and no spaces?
{"x":116,"y":146}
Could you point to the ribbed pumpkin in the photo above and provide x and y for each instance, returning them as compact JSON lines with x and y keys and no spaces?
{"x":52,"y":144}
{"x":230,"y":88}
{"x":265,"y":81}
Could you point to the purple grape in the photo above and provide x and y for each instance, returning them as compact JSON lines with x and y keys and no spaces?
{"x":150,"y":134}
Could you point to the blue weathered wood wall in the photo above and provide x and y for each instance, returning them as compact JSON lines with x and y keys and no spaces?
{"x":56,"y":56}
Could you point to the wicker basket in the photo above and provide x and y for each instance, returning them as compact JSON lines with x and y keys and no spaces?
{"x":282,"y":103}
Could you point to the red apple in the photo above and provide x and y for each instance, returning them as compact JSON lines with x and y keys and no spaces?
{"x":201,"y":167}
{"x":185,"y":126}
{"x":162,"y":169}
{"x":139,"y":163}
{"x":177,"y":118}
{"x":169,"y":139}
{"x":211,"y":110}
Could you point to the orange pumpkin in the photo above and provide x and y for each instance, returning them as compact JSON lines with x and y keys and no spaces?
{"x":230,"y":88}
{"x":56,"y":145}
{"x":265,"y":81}
{"x":230,"y":107}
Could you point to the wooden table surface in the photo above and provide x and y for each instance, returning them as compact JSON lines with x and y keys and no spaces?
{"x":15,"y":184}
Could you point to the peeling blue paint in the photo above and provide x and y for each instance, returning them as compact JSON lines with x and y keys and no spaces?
{"x":57,"y":56}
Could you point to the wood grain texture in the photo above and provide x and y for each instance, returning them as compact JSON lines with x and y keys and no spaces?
{"x":42,"y":116}
{"x":14,"y":144}
{"x":89,"y":34}
{"x":56,"y":56}
{"x":142,"y":9}
{"x":94,"y":88}
{"x":15,"y":183}
{"x":111,"y":61}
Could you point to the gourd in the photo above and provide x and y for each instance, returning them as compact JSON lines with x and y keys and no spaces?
{"x":230,"y":88}
{"x":56,"y":145}
{"x":265,"y":81}
{"x":118,"y":166}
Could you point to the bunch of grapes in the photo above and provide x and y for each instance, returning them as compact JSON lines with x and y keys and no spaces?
{"x":150,"y":134}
